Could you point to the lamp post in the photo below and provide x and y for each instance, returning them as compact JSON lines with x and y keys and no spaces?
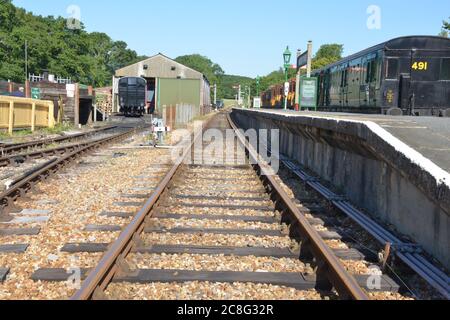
{"x":258,"y":82}
{"x":287,"y":60}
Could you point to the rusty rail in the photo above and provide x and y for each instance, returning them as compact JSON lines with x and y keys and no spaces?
{"x":329,"y":265}
{"x":9,"y":149}
{"x":21,"y":187}
{"x":16,"y":158}
{"x":103,"y":273}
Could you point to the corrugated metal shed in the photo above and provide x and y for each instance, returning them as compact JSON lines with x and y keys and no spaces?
{"x":169,"y":83}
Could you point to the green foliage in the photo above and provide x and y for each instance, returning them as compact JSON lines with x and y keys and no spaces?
{"x":204,"y":65}
{"x":89,"y":58}
{"x":58,"y":129}
{"x":327,"y":54}
{"x":215,"y":74}
{"x":275,"y":77}
{"x":226,"y":90}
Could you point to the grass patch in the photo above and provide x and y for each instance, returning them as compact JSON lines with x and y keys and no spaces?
{"x":59,"y":128}
{"x":18,"y":135}
{"x":4,"y":135}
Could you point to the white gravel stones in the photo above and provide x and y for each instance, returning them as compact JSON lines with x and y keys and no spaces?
{"x":216,"y":263}
{"x":78,"y":197}
{"x":208,"y":291}
{"x":218,"y":240}
{"x":208,"y":224}
{"x":217,"y":211}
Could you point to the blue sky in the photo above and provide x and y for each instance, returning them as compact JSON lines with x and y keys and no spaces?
{"x":247,"y":37}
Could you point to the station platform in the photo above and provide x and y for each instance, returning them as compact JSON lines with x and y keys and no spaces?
{"x":395,"y":168}
{"x":430,"y":136}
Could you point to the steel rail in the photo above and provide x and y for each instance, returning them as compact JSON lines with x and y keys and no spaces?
{"x":103,"y":273}
{"x":100,"y":277}
{"x":344,"y":283}
{"x":407,"y":252}
{"x":414,"y":259}
{"x":21,"y":187}
{"x":9,"y":149}
{"x":9,"y":160}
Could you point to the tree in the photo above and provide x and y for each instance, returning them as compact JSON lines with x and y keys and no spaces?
{"x":89,"y":58}
{"x":204,"y":65}
{"x":211,"y":70}
{"x":327,"y":54}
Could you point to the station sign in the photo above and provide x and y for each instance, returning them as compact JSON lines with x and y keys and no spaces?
{"x":308,"y":92}
{"x":257,"y":103}
{"x":286,"y":89}
{"x":35,"y":93}
{"x":302,"y":60}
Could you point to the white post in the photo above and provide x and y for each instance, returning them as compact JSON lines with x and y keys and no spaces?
{"x":309,"y":66}
{"x":297,"y":82}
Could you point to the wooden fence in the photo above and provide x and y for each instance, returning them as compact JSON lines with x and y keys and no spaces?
{"x":181,"y":114}
{"x":25,"y":113}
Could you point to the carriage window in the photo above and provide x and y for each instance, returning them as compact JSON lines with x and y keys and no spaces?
{"x":445,"y":69}
{"x":392,"y":69}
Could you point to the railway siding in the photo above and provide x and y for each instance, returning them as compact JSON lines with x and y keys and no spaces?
{"x":73,"y":199}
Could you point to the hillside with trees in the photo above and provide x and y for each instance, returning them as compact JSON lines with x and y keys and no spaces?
{"x":327,"y":54}
{"x":89,"y":58}
{"x":215,"y":75}
{"x":92,"y":58}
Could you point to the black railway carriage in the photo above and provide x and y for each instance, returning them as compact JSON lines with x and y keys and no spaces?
{"x":408,"y":73}
{"x":132,"y":96}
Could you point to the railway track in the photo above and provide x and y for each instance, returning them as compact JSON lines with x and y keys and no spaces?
{"x":7,"y":150}
{"x":216,"y":231}
{"x":64,"y":156}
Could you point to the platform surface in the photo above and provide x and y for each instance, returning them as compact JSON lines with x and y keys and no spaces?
{"x":429,"y":136}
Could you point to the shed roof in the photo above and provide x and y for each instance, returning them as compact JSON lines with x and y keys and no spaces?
{"x":159,"y":66}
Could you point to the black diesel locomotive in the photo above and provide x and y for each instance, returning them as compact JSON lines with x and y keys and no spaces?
{"x":408,"y":75}
{"x":132,"y":96}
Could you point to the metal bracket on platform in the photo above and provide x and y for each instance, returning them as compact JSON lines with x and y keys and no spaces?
{"x":337,"y":198}
{"x":407,"y":248}
{"x":311,"y":179}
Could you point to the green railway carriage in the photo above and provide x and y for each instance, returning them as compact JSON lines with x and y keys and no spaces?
{"x":410,"y":75}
